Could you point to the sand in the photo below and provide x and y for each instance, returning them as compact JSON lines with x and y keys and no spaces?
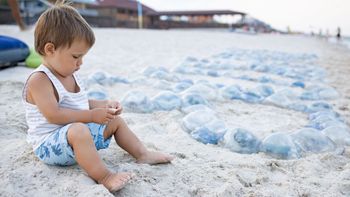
{"x":198,"y":170}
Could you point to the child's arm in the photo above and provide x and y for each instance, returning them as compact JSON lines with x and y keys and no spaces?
{"x":98,"y":104}
{"x":106,"y":104}
{"x":42,"y":94}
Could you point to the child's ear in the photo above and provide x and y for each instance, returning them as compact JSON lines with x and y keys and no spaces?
{"x":49,"y":48}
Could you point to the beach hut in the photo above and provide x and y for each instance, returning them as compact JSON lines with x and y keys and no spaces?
{"x":192,"y":19}
{"x":120,"y":13}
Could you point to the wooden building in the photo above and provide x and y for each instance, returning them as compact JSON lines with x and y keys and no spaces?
{"x":124,"y":13}
{"x":119,"y":13}
{"x":192,"y":19}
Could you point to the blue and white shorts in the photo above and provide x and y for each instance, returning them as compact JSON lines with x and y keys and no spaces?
{"x":57,"y":151}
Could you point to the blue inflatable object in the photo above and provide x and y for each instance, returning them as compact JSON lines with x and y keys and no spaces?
{"x":12,"y":51}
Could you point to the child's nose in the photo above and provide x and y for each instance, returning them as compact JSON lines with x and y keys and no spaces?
{"x":80,"y":62}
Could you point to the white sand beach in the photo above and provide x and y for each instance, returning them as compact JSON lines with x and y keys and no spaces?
{"x":198,"y":169}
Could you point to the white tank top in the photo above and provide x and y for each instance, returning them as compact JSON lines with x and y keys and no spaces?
{"x":39,"y":127}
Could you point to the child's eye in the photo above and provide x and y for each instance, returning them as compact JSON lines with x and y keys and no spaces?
{"x":75,"y":57}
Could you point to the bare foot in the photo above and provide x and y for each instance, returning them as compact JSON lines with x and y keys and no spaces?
{"x":115,"y":181}
{"x":151,"y":157}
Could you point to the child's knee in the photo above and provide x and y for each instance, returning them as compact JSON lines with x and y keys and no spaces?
{"x":78,"y":132}
{"x":116,"y":121}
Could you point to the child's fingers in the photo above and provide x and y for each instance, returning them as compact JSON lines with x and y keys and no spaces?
{"x":115,"y":104}
{"x":119,"y":106}
{"x":107,"y":120}
{"x":119,"y":110}
{"x":110,"y":116}
{"x":112,"y":111}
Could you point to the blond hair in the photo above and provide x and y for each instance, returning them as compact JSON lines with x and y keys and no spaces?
{"x":61,"y":25}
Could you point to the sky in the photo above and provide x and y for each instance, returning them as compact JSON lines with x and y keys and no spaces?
{"x":299,"y":15}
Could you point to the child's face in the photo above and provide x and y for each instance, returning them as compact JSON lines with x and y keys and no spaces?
{"x":65,"y":61}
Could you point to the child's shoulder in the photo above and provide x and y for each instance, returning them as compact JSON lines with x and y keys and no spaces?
{"x":38,"y":86}
{"x":38,"y":80}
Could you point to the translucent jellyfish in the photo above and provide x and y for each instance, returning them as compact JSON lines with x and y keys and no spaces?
{"x":204,"y":89}
{"x":328,"y":93}
{"x":180,"y":86}
{"x":189,"y":99}
{"x":265,"y":79}
{"x":260,"y":68}
{"x":251,"y":97}
{"x":264,"y":90}
{"x":240,"y":141}
{"x":219,"y":85}
{"x":294,"y":74}
{"x":220,"y":66}
{"x":206,"y":136}
{"x":205,"y":61}
{"x":298,"y":107}
{"x":212,"y":73}
{"x":288,"y":93}
{"x":97,"y":95}
{"x":166,"y":100}
{"x":115,"y":79}
{"x":299,"y":84}
{"x":319,"y":106}
{"x":282,"y":98}
{"x":322,"y":121}
{"x":98,"y":77}
{"x":246,"y":77}
{"x":160,"y":74}
{"x":312,"y":140}
{"x":232,"y":92}
{"x":280,"y":145}
{"x":196,"y":119}
{"x":191,"y":59}
{"x":136,"y":101}
{"x":278,"y":70}
{"x":201,"y":118}
{"x":338,"y":134}
{"x":331,"y":123}
{"x":163,"y":85}
{"x":149,"y":70}
{"x":279,"y":100}
{"x":188,"y":70}
{"x":331,"y":114}
{"x":310,"y":95}
{"x":317,"y":92}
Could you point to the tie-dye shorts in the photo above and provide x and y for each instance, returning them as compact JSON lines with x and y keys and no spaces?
{"x":57,"y":151}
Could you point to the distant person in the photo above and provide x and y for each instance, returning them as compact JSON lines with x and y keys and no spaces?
{"x":16,"y":13}
{"x":64,"y":126}
{"x":320,"y":34}
{"x":338,"y":33}
{"x":312,"y":33}
{"x":327,"y":33}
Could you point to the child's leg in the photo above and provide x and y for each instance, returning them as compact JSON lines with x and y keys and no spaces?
{"x":86,"y":155}
{"x":127,"y":140}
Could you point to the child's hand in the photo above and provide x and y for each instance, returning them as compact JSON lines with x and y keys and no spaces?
{"x":115,"y":105}
{"x":103,"y":115}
